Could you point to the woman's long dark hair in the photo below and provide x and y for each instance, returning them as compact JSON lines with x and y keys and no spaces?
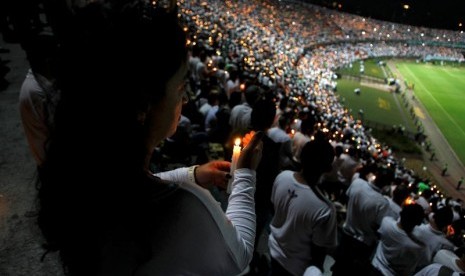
{"x":114,"y":63}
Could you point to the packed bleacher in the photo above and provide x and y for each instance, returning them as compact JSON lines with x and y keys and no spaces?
{"x":246,"y":52}
{"x":327,"y":190}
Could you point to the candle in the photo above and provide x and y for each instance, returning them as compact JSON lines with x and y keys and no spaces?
{"x":409,"y":201}
{"x":235,"y":157}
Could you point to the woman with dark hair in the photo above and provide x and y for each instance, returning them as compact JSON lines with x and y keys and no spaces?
{"x":304,"y":226}
{"x":122,"y":77}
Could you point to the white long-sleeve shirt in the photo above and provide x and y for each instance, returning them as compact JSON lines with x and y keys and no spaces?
{"x":206,"y":240}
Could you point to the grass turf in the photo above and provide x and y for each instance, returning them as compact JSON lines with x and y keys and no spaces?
{"x":372,"y":69}
{"x":441,"y":89}
{"x":381,"y":108}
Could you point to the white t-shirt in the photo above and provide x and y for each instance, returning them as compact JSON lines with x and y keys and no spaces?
{"x":347,"y":168}
{"x":365,"y":210}
{"x":33,"y":111}
{"x":449,"y":259}
{"x":240,"y":117}
{"x":278,"y":135}
{"x":396,"y":253}
{"x":423,"y":203}
{"x":211,"y":117}
{"x":298,"y":142}
{"x":394,"y":209}
{"x":193,"y":61}
{"x":204,"y":109}
{"x":300,"y":219}
{"x":232,"y":86}
{"x":434,"y":240}
{"x":433,"y":270}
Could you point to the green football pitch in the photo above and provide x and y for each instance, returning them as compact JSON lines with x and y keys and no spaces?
{"x":380,"y":108}
{"x":441,"y":89}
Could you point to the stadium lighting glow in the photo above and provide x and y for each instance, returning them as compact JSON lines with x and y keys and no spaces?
{"x":406,"y":7}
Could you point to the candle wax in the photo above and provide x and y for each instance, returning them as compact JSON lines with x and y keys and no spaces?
{"x":235,"y":157}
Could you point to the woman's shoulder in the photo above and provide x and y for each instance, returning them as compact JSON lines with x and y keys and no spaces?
{"x":171,"y":196}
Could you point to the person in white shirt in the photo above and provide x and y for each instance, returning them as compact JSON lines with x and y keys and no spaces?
{"x":38,"y":95}
{"x":424,"y":199}
{"x":349,"y":165}
{"x":210,"y":117}
{"x":399,"y":195}
{"x":452,"y":259}
{"x":302,"y":136}
{"x":333,"y":187}
{"x":397,"y":252}
{"x":435,"y":269}
{"x":279,"y":135}
{"x":232,"y":88}
{"x":240,"y":114}
{"x":366,"y":209}
{"x":304,"y":226}
{"x":433,"y":234}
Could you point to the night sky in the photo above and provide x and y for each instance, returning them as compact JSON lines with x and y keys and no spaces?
{"x":443,"y":14}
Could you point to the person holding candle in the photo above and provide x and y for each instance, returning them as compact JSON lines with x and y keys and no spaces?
{"x":100,"y":205}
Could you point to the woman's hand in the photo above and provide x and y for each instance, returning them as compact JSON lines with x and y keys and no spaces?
{"x":214,"y":173}
{"x":252,"y":153}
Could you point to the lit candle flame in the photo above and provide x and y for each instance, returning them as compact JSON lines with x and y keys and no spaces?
{"x":237,"y":142}
{"x":409,"y":201}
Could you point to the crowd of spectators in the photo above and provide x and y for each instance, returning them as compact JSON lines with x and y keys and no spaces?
{"x":270,"y":66}
{"x":287,"y":52}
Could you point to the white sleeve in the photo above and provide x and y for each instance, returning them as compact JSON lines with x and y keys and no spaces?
{"x":238,"y":224}
{"x":176,"y":176}
{"x":241,"y":213}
